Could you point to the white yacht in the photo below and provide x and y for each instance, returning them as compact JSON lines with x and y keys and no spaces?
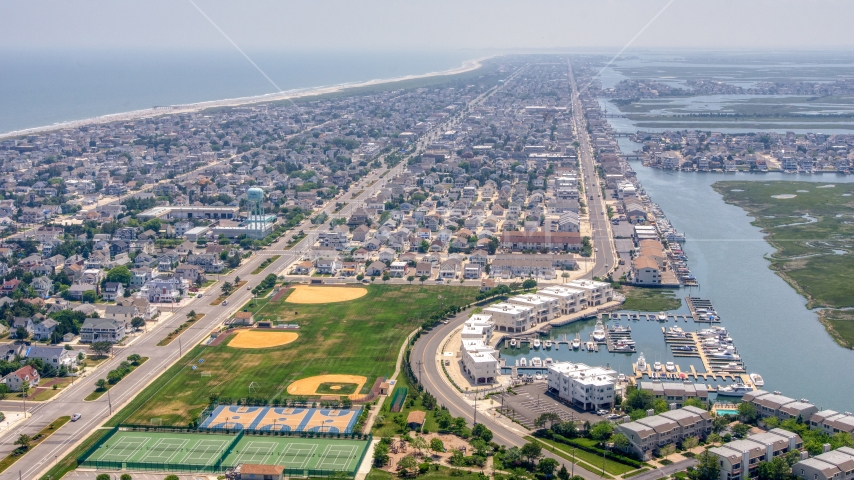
{"x":538,"y":376}
{"x":724,"y":355}
{"x":523,"y":362}
{"x":536,"y":362}
{"x":548,"y":343}
{"x":537,"y":343}
{"x":736,"y":390}
{"x":657,"y":366}
{"x":641,"y":365}
{"x":591,"y":346}
{"x":757,"y":380}
{"x":599,"y":332}
{"x":621,"y":378}
{"x":662,"y":317}
{"x":512,"y":343}
{"x":548,"y":361}
{"x":670,"y":367}
{"x":576,"y":344}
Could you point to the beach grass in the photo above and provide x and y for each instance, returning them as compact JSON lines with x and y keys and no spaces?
{"x":650,"y":299}
{"x":358,"y":337}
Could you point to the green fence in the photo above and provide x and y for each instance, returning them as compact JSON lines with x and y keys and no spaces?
{"x":398,"y":399}
{"x":235,"y":431}
{"x":88,"y":453}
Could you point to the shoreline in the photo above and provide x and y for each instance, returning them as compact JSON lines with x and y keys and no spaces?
{"x":467,"y":66}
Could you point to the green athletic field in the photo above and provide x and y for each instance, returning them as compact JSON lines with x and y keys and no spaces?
{"x":183,"y":450}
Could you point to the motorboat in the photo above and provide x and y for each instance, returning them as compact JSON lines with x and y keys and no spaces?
{"x":517,"y":362}
{"x":599,"y":332}
{"x":576,"y":344}
{"x":724,"y":355}
{"x":662,"y":317}
{"x":683,"y":348}
{"x":670,"y":367}
{"x":657,"y":366}
{"x":537,"y":343}
{"x":538,"y":376}
{"x":736,"y":390}
{"x":512,"y":343}
{"x":618,"y":329}
{"x":548,"y":344}
{"x":548,"y":361}
{"x":523,"y":362}
{"x":621,"y":378}
{"x":641,"y":365}
{"x":536,"y":362}
{"x":623,"y":347}
{"x":757,"y":379}
{"x":590,"y":346}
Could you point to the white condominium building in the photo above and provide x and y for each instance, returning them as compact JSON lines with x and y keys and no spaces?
{"x":597,"y":292}
{"x":589,"y":388}
{"x":480,"y":361}
{"x":478,"y":327}
{"x":545,"y":308}
{"x":510,"y":317}
{"x":570,"y":300}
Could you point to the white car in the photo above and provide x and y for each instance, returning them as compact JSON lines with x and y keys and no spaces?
{"x":75,"y":417}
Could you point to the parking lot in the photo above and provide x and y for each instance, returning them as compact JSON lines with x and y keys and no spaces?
{"x":531,"y":401}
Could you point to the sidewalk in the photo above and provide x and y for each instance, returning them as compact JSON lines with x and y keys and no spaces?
{"x":12,"y":419}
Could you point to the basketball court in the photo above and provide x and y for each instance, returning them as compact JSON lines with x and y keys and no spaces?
{"x":282,"y":419}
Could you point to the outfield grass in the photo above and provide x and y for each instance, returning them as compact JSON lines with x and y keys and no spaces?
{"x":650,"y":299}
{"x":587,"y":460}
{"x":358,"y":337}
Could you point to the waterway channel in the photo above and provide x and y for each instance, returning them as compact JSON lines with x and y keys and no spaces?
{"x":776,"y":334}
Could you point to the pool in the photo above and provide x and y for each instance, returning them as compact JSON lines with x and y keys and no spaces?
{"x":721,"y":411}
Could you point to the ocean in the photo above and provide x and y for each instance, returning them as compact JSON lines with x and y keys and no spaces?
{"x":39,"y":88}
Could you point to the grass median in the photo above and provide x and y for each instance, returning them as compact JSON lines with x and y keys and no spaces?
{"x":35,"y":440}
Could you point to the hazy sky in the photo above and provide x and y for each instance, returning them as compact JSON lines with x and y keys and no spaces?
{"x":439,"y":25}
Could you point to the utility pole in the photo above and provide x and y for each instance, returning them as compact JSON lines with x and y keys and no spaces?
{"x":110,"y":402}
{"x":475,"y":407}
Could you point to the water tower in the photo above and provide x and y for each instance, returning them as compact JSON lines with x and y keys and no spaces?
{"x":256,"y":223}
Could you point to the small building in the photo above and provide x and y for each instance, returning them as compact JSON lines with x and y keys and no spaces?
{"x":113,"y":290}
{"x":415,"y":419}
{"x":243,"y":318}
{"x":26,"y":375}
{"x":257,"y":471}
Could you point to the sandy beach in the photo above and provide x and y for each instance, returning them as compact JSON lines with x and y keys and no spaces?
{"x":467,"y":66}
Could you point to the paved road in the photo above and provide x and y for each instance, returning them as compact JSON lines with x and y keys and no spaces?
{"x":97,"y":412}
{"x":425,"y":360}
{"x":605,"y":256}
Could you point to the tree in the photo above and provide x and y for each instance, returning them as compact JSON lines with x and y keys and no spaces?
{"x":619,"y":441}
{"x":690,"y":443}
{"x":171,"y":477}
{"x":381,"y":454}
{"x":549,"y":418}
{"x":422,"y":278}
{"x":21,"y":333}
{"x":563,"y":473}
{"x":191,"y":315}
{"x":125,"y":476}
{"x":137,"y":323}
{"x":227,"y":288}
{"x":567,"y":429}
{"x":89,"y":296}
{"x":747,"y":412}
{"x":547,"y":466}
{"x":740,"y":430}
{"x":693,"y":402}
{"x":513,"y":456}
{"x":119,"y":274}
{"x":480,"y":431}
{"x":419,"y":443}
{"x":660,"y":406}
{"x":638,"y":399}
{"x":101,"y":384}
{"x":531,"y":452}
{"x":776,"y":469}
{"x":24,"y":441}
{"x":436,"y":445}
{"x":410,"y":279}
{"x":134,"y":359}
{"x":529,"y":283}
{"x":667,"y":450}
{"x":707,"y":467}
{"x":101,"y":349}
{"x":102,"y":476}
{"x":601,"y":431}
{"x":407,"y":463}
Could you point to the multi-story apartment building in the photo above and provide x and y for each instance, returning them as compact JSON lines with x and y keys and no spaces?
{"x":739,"y":459}
{"x":509,"y":317}
{"x":545,"y":308}
{"x":832,"y":465}
{"x":570,"y":300}
{"x":588,"y":388}
{"x":776,"y":405}
{"x":648,"y":434}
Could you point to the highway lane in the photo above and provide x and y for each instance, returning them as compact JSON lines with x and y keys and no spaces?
{"x":605,"y":256}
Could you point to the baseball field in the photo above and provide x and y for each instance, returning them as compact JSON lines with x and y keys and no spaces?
{"x":345,"y":345}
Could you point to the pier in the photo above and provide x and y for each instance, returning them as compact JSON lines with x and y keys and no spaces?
{"x":702,"y":310}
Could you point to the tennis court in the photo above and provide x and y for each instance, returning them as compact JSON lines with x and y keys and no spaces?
{"x":188,"y":450}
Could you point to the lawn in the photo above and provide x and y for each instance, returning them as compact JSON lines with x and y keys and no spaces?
{"x":266,"y":263}
{"x":385,"y":425}
{"x":587,"y":460}
{"x":650,"y":299}
{"x":441,"y":473}
{"x":358,"y":337}
{"x":49,"y":392}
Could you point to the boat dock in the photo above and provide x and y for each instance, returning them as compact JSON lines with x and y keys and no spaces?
{"x":702,"y":310}
{"x":619,"y":339}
